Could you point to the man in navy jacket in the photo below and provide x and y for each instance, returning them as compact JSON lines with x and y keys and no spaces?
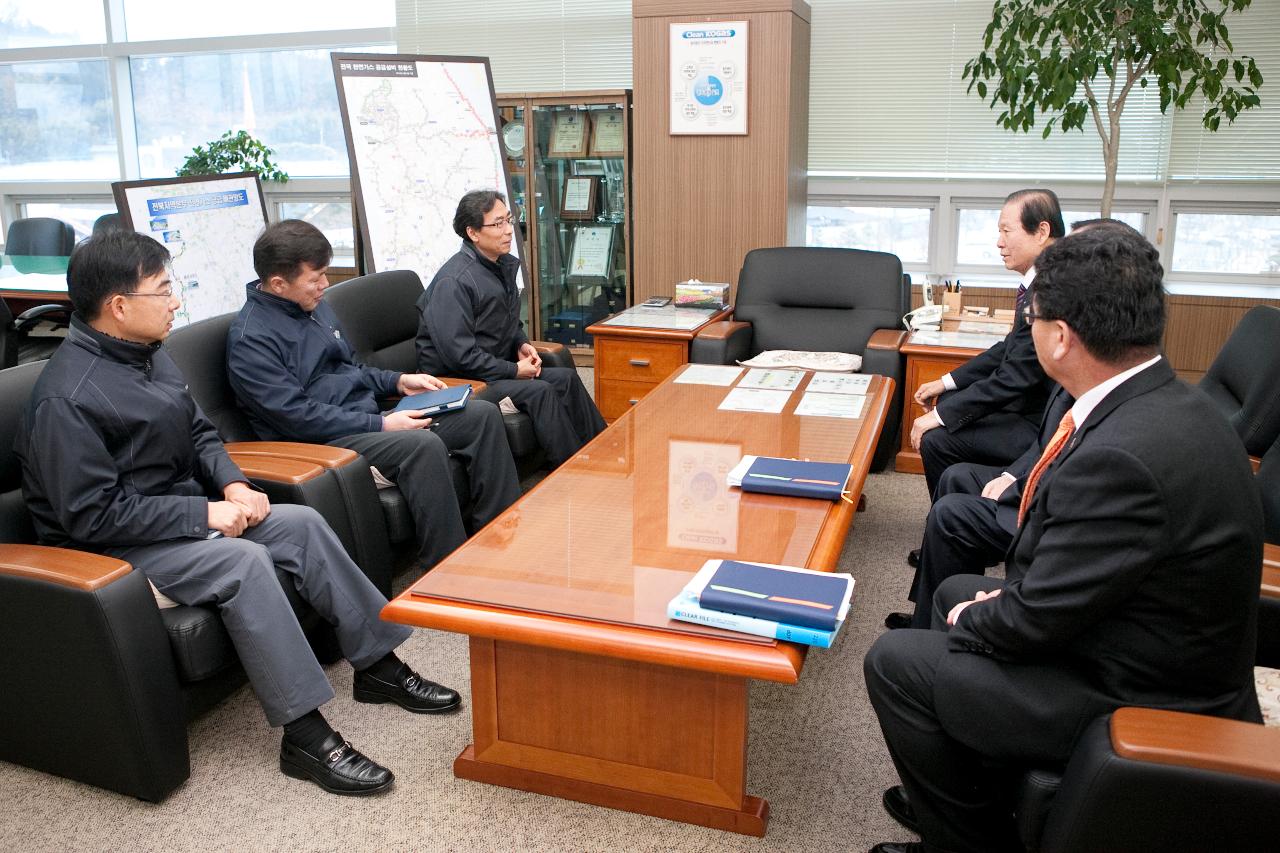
{"x":118,"y":459}
{"x":298,"y":379}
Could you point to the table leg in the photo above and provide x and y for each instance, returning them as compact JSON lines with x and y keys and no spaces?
{"x":628,"y":735}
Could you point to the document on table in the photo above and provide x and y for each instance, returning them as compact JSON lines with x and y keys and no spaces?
{"x":779,"y":380}
{"x":759,"y":400}
{"x":831,"y":405}
{"x":709,"y":374}
{"x":839,"y":383}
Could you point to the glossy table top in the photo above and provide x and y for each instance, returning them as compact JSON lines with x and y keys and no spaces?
{"x":612,"y":535}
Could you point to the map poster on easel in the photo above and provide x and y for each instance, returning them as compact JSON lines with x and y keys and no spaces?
{"x":422,"y":131}
{"x":209,"y":225}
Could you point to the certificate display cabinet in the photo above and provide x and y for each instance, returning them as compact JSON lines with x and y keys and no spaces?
{"x":570,"y":162}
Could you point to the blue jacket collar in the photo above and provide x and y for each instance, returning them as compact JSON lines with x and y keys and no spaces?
{"x":255,"y":293}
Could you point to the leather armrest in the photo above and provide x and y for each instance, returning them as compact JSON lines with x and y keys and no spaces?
{"x":63,"y":566}
{"x":548,"y":347}
{"x":553,"y":354}
{"x":277,"y":469}
{"x":1196,"y":741}
{"x":887,"y":339}
{"x":453,"y":381}
{"x":722,"y":330}
{"x":317,"y":454}
{"x":31,"y":316}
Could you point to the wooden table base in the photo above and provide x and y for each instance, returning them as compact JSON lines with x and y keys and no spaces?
{"x":625,"y":734}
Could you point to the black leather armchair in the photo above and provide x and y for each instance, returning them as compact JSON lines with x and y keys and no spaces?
{"x":98,"y":681}
{"x":379,"y":316}
{"x":821,"y":300}
{"x":1244,"y":379}
{"x":1147,"y":780}
{"x":342,"y":490}
{"x":18,"y":345}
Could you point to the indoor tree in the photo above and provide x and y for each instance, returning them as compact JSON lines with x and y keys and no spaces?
{"x":1081,"y":59}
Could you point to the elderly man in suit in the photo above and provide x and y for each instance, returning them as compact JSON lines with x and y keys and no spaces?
{"x":1132,"y":580}
{"x":987,"y":410}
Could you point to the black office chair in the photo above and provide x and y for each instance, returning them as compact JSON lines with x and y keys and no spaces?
{"x":40,"y":235}
{"x":822,"y":300}
{"x":1244,"y":379}
{"x":379,"y":316}
{"x":106,"y":223}
{"x":18,"y":345}
{"x":98,"y":681}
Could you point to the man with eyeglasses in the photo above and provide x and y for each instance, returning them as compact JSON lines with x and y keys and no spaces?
{"x":118,"y":459}
{"x":469,"y":326}
{"x":297,"y":378}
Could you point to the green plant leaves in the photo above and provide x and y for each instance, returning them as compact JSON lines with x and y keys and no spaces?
{"x":233,"y":152}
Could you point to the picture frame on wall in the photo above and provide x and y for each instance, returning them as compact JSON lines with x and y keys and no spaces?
{"x":608,"y":134}
{"x":578,"y":200}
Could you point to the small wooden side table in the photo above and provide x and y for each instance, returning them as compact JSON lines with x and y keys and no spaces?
{"x":631,"y":361}
{"x":925,"y":363}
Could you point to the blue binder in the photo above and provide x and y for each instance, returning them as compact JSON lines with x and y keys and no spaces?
{"x":436,"y":402}
{"x":805,"y":598}
{"x":826,"y":480}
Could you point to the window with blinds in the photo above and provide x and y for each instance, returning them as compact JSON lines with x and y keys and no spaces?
{"x":887,"y":99}
{"x":533,"y":45}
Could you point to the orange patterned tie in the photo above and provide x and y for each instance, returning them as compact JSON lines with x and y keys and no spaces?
{"x":1060,"y":438}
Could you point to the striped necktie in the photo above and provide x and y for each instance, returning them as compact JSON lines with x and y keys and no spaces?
{"x":1021,"y":300}
{"x":1061,"y":436}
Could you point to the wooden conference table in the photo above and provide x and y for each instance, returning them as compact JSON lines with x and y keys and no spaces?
{"x":581,"y":687}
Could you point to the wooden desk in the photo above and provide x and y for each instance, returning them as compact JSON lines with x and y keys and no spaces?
{"x":581,"y":687}
{"x":631,"y":361}
{"x":925,"y":363}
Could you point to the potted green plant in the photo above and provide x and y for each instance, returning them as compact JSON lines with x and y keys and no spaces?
{"x":233,"y":152}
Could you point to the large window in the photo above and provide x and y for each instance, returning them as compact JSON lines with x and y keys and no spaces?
{"x":977,"y":232}
{"x":56,"y":121}
{"x":284,"y":97}
{"x":183,"y":19}
{"x":52,"y":22}
{"x":1227,"y":243}
{"x":903,"y":231}
{"x":332,"y":218}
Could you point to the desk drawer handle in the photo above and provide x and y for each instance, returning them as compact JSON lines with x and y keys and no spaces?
{"x":639,"y":362}
{"x":632,"y":401}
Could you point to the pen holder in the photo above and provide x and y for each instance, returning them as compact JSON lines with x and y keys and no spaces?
{"x":951,"y":304}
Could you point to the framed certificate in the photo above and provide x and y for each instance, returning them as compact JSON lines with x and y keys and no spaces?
{"x":592,"y":251}
{"x":568,"y":135}
{"x":608,"y":134}
{"x":579,"y":198}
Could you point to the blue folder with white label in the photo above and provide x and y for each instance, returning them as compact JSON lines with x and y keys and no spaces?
{"x":793,"y":596}
{"x":794,"y":477}
{"x":433,"y":403}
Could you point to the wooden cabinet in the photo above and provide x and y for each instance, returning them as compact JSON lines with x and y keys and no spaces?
{"x":631,"y":361}
{"x":925,"y":363}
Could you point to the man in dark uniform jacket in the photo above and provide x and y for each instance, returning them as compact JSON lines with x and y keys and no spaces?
{"x":297,"y":378}
{"x":987,"y":410}
{"x":469,"y":326}
{"x":1132,"y":580}
{"x":118,"y":459}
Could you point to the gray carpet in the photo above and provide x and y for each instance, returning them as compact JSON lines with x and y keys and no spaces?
{"x":815,"y":753}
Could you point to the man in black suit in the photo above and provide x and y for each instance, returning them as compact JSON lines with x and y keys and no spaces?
{"x":989,"y":407}
{"x":1133,"y":578}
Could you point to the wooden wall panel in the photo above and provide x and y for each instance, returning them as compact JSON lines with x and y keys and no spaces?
{"x":700,"y":203}
{"x":1196,"y":328}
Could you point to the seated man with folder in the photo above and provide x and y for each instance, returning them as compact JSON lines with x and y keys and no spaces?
{"x":469,"y":325}
{"x":297,"y":378}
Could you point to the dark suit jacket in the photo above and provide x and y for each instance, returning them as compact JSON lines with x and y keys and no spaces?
{"x":1139,"y":563}
{"x":1005,"y":378}
{"x":1060,"y":402}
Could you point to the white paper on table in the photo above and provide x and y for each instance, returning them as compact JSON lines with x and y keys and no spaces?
{"x":755,"y":400}
{"x":779,"y":380}
{"x":839,"y":383}
{"x":831,"y":405}
{"x":709,"y":374}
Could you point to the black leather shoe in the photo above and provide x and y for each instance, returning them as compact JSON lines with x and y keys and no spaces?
{"x":340,"y":768}
{"x":898,"y":847}
{"x":899,"y":808}
{"x":409,"y":690}
{"x":913,"y":558}
{"x":895,"y":621}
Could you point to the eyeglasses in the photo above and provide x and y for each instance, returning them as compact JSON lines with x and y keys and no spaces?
{"x":1030,"y":316}
{"x":501,"y":223}
{"x":167,"y":294}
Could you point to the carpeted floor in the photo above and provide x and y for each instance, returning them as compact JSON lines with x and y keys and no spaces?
{"x":815,"y":753}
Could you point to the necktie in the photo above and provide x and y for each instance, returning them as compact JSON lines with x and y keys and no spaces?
{"x":1021,"y":298}
{"x":1059,"y":440}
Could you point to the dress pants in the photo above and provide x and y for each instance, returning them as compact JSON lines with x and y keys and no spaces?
{"x":417,"y":461}
{"x":963,"y":534}
{"x":238,"y":576}
{"x":564,"y":417}
{"x":996,"y":439}
{"x":961,"y":728}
